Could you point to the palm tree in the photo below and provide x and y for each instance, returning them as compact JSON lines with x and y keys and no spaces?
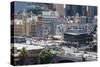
{"x":23,"y":54}
{"x":45,"y":56}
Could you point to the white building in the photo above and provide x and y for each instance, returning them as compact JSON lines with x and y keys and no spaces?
{"x":50,"y":20}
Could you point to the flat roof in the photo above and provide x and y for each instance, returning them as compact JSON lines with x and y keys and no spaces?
{"x":75,"y":33}
{"x":28,"y":47}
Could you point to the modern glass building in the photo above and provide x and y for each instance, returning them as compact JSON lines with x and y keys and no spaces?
{"x":71,"y":10}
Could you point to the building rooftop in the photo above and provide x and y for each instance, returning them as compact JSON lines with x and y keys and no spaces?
{"x":76,"y":33}
{"x":28,"y":47}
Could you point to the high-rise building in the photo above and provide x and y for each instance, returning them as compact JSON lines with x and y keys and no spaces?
{"x":21,"y":24}
{"x":60,"y":9}
{"x":50,"y":20}
{"x":91,"y":11}
{"x":83,"y":19}
{"x":71,"y":10}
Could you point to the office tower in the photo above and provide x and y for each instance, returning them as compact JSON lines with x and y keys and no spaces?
{"x":71,"y":10}
{"x":60,"y":9}
{"x":92,"y":11}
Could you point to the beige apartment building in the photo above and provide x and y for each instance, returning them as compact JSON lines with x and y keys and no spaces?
{"x":60,"y":9}
{"x":25,"y":26}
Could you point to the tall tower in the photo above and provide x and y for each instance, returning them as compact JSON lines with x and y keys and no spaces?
{"x":60,"y":9}
{"x":90,"y":10}
{"x":26,"y":26}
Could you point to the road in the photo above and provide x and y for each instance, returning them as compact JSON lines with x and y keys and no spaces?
{"x":72,"y":58}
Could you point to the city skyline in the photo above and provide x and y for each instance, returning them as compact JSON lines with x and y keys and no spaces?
{"x":20,"y":6}
{"x":43,"y":33}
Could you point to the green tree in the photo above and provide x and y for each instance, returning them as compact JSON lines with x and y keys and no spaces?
{"x":45,"y":56}
{"x":23,"y":55}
